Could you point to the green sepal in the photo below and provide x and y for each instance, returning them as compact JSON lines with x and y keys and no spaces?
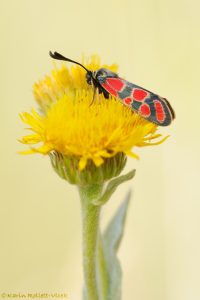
{"x":112,"y":186}
{"x":67,"y":167}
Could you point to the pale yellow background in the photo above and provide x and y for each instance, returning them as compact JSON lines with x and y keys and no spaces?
{"x":157,"y":45}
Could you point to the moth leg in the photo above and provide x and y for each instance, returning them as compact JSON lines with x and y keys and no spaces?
{"x":98,"y":96}
{"x":106,"y":94}
{"x":94,"y":94}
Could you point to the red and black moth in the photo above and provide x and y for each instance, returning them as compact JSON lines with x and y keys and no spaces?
{"x":148,"y":105}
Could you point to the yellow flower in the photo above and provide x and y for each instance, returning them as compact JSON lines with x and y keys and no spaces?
{"x":74,"y":128}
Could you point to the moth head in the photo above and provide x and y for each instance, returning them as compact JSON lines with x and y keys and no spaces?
{"x":90,"y":77}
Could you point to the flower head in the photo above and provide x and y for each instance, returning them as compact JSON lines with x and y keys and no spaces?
{"x":71,"y":127}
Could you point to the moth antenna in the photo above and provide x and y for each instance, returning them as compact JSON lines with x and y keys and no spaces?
{"x":59,"y":56}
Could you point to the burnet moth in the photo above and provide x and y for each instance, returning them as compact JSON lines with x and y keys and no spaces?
{"x":147,"y":104}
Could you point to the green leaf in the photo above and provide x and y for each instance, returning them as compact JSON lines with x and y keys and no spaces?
{"x":112,"y":186}
{"x":102,"y":272}
{"x":111,"y":241}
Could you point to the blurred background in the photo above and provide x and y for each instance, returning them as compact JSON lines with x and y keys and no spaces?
{"x":156,"y":44}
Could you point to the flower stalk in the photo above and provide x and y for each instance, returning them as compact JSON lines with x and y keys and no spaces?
{"x":90,"y":232}
{"x":99,"y":249}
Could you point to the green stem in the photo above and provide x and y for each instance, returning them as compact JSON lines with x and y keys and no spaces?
{"x":90,"y":231}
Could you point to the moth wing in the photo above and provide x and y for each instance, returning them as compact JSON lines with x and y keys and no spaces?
{"x":155,"y":109}
{"x":113,"y":85}
{"x":147,"y":104}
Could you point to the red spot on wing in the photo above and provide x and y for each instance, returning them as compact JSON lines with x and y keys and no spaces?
{"x":116,"y":83}
{"x":145,"y":110}
{"x":160,"y":113}
{"x":139,"y":94}
{"x":109,"y":89}
{"x":128,"y":100}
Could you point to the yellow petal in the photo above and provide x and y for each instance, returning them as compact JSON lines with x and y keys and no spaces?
{"x":31,"y":139}
{"x":44,"y":149}
{"x":30,"y":151}
{"x":143,"y":144}
{"x":97,"y":160}
{"x":132,"y":154}
{"x":82,"y":163}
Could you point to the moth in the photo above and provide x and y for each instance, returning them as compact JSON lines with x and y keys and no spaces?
{"x":148,"y":105}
